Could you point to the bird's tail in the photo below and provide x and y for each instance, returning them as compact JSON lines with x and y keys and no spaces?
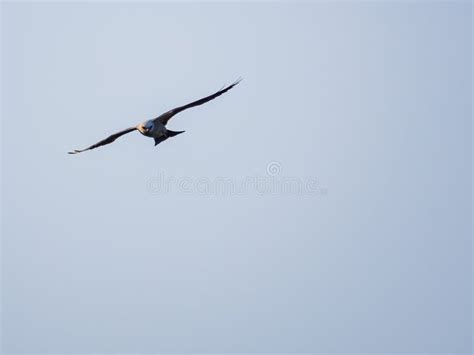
{"x":173,"y":133}
{"x":165,"y":137}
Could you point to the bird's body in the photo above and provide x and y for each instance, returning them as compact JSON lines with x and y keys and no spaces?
{"x":156,"y":128}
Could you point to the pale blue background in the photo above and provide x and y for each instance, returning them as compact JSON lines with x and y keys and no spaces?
{"x":372,"y":98}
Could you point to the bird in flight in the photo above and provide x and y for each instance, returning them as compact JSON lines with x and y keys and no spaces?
{"x":156,"y":128}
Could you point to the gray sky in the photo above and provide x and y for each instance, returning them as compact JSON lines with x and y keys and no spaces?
{"x":366,"y":104}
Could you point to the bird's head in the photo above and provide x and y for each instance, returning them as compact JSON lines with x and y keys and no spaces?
{"x":146,"y":127}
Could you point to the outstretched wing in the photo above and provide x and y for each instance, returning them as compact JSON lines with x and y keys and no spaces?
{"x":165,"y":117}
{"x":105,"y":141}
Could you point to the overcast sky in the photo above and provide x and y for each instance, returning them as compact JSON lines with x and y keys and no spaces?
{"x":198,"y":244}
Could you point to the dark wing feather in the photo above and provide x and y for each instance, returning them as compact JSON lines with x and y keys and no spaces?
{"x":105,"y":141}
{"x":164,"y":118}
